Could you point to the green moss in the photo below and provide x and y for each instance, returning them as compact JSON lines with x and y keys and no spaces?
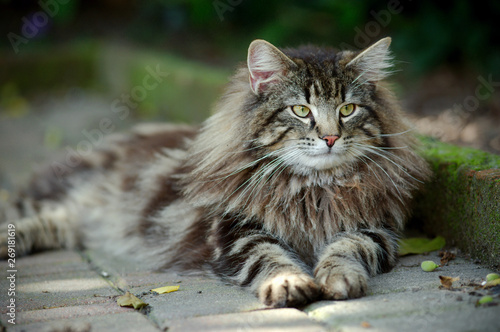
{"x":438,"y":153}
{"x":462,"y":202}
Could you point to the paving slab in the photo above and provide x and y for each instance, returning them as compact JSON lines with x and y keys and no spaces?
{"x":197,"y":295}
{"x":291,"y":320}
{"x":70,"y":312}
{"x":124,"y":321}
{"x":55,"y":279}
{"x":200,"y":298}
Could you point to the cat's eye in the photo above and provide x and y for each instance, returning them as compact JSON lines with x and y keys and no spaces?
{"x":347,"y":110}
{"x":301,"y":110}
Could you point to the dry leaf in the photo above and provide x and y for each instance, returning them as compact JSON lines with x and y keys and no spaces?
{"x":366,"y":325}
{"x":446,"y":256}
{"x":166,"y":289}
{"x":130,"y":300}
{"x":447,"y":282}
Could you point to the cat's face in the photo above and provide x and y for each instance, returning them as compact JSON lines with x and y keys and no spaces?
{"x":320,"y":110}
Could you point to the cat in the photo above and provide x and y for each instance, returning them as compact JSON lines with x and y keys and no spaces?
{"x":296,"y":188}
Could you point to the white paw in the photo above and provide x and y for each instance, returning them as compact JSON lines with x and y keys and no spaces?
{"x":342,"y":283}
{"x":288,"y":290}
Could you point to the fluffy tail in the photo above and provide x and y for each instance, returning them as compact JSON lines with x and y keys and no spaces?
{"x":29,"y":225}
{"x":112,"y":193}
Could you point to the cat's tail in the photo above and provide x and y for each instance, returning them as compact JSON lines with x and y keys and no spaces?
{"x":44,"y":214}
{"x":28,"y":225}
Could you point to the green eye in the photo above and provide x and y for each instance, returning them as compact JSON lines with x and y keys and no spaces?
{"x":301,"y":110}
{"x":347,"y":110}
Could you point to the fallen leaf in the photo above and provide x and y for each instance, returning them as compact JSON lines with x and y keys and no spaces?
{"x":492,"y":276}
{"x":447,"y":282}
{"x":419,"y":245}
{"x":491,"y":283}
{"x":484,"y":299}
{"x":446,"y":256}
{"x":166,"y":289}
{"x":130,"y":300}
{"x":366,"y":325}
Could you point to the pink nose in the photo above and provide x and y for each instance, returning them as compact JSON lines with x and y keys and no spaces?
{"x":330,"y":139}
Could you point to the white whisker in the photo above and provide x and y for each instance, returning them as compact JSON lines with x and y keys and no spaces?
{"x":383,"y":170}
{"x":378,"y":153}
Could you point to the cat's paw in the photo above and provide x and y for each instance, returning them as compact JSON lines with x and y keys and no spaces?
{"x":341,"y":284}
{"x":288,"y":290}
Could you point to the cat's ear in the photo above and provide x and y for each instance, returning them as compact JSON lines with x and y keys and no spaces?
{"x":266,"y":65}
{"x":374,"y":62}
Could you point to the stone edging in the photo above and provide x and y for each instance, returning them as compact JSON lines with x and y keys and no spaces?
{"x":462,"y":201}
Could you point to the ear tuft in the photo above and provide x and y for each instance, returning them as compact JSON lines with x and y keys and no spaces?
{"x":374,"y":62}
{"x":266,"y":64}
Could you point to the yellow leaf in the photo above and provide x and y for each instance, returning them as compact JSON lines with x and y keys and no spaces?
{"x":130,"y":300}
{"x":166,"y":289}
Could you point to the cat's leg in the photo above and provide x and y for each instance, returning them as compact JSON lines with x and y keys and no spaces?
{"x":249,"y":257}
{"x":345,"y":265}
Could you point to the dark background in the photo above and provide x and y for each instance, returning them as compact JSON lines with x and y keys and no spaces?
{"x":63,"y":63}
{"x":429,"y":34}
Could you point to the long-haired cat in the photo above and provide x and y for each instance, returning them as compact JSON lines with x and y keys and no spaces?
{"x":296,"y":188}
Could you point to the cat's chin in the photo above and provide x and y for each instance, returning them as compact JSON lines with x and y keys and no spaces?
{"x":322,"y":162}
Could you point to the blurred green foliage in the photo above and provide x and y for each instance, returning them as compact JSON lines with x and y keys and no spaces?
{"x":68,"y":49}
{"x":427,"y":33}
{"x":186,"y":94}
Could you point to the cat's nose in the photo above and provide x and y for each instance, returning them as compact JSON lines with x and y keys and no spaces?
{"x":330,"y":139}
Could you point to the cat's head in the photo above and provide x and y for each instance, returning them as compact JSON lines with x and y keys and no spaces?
{"x":317,"y":109}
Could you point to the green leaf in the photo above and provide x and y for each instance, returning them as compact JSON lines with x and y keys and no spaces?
{"x":485,"y":299}
{"x":418,"y":245}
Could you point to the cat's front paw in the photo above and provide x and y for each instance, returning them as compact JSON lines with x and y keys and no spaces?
{"x":341,"y":283}
{"x":288,"y":290}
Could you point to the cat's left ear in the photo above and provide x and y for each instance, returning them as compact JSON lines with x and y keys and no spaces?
{"x":374,"y":62}
{"x":266,"y":64}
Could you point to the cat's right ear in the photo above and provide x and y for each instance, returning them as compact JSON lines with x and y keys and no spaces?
{"x":266,"y":64}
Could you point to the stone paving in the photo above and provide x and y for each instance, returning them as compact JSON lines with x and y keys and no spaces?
{"x":73,"y":291}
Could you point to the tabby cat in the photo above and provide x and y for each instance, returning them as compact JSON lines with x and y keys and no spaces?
{"x":296,"y":188}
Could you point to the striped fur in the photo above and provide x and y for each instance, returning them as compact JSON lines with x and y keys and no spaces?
{"x":257,"y":196}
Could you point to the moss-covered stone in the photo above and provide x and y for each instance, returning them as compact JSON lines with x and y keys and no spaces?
{"x":462,"y":201}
